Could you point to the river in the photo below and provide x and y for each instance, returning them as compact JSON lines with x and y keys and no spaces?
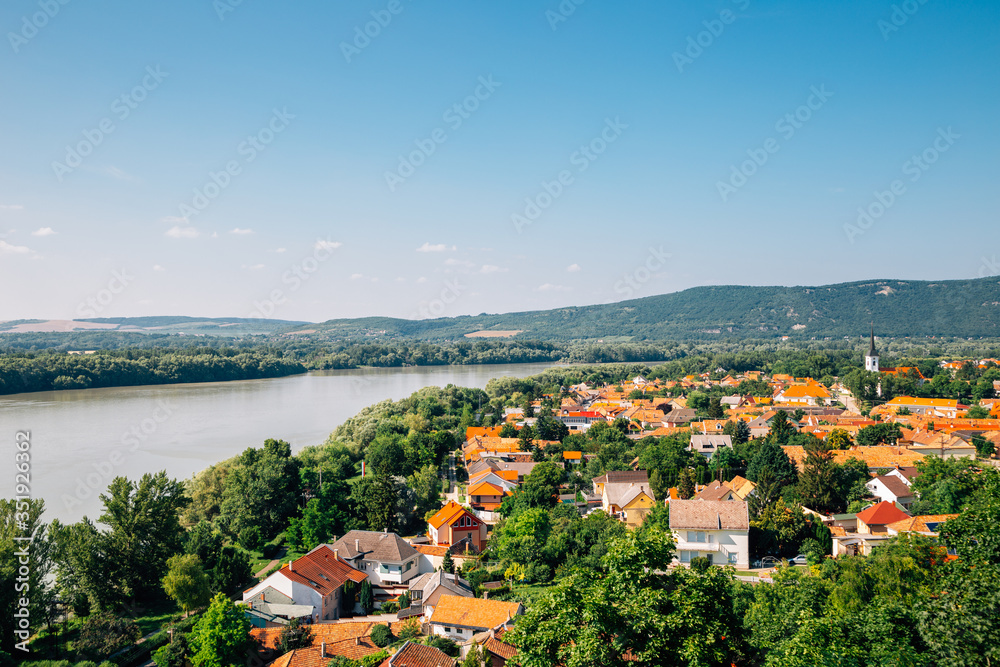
{"x":81,"y":439}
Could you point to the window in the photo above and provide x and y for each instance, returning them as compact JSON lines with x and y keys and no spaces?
{"x":732,"y":559}
{"x":447,"y":629}
{"x":695,"y":536}
{"x":409,"y":565}
{"x":686,"y":556}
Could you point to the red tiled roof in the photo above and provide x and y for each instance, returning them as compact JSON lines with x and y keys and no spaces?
{"x":882,"y":514}
{"x":418,"y":655}
{"x":322,"y":570}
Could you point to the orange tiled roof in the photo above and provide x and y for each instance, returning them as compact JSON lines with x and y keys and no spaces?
{"x":418,"y":655}
{"x":918,"y":524}
{"x":447,"y":514}
{"x":485,"y":489}
{"x":322,"y":570}
{"x":882,"y":513}
{"x":875,"y":457}
{"x":473,"y":612}
{"x":429,"y":550}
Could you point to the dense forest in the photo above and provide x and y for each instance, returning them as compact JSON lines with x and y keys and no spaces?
{"x":27,"y":372}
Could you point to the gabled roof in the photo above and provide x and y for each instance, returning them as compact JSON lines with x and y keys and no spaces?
{"x":633,"y":493}
{"x":448,"y":514}
{"x":497,"y":646}
{"x":418,"y":655}
{"x":374,"y":545}
{"x":321,"y":570}
{"x":709,"y":515}
{"x":474,"y":612}
{"x":485,"y":489}
{"x":715,"y":490}
{"x":431,"y":581}
{"x":895,"y":485}
{"x":882,"y":514}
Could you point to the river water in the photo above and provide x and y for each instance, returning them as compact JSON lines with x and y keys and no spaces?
{"x":81,"y":439}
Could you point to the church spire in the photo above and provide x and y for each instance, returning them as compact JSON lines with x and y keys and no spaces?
{"x":872,"y":352}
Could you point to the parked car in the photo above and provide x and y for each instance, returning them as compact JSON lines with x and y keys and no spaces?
{"x":798,"y":560}
{"x":769,"y":561}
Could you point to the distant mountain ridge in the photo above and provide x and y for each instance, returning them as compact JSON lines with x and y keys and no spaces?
{"x":899,"y":308}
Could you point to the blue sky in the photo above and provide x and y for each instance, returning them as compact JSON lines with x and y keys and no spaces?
{"x":612,"y":130}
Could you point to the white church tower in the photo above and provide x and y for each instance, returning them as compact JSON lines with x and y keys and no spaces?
{"x":871,"y":359}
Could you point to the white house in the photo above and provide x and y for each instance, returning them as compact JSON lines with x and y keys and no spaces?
{"x":707,"y":445}
{"x":386,"y":559}
{"x":891,"y":488}
{"x":460,"y":618}
{"x":310,"y":586}
{"x":715,"y":529}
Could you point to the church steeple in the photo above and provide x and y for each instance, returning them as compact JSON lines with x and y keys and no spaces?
{"x":871,"y":359}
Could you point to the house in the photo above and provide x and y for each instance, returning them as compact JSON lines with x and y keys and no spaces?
{"x":804,"y":394}
{"x":309,"y":587}
{"x":578,"y":421}
{"x":875,"y":519}
{"x":678,"y":417}
{"x":931,"y":407}
{"x":427,"y":589}
{"x":453,"y":523}
{"x":905,"y":473}
{"x":707,"y":445}
{"x":487,"y":495}
{"x":730,"y":402}
{"x":388,"y":560}
{"x":892,"y":489}
{"x":346,"y":639}
{"x":418,"y":655}
{"x":942,"y":445}
{"x":925,"y":524}
{"x":496,"y":649}
{"x":459,"y":618}
{"x":761,"y":426}
{"x":742,"y":488}
{"x":874,"y":457}
{"x":619,"y":477}
{"x":708,"y":426}
{"x":431,"y":557}
{"x":715,"y":529}
{"x":715,"y":490}
{"x":627,"y":501}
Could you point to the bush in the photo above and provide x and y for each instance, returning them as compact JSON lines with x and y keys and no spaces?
{"x":374,"y":659}
{"x":103,"y":634}
{"x":250,"y":538}
{"x":411,"y":629}
{"x":389,"y":607}
{"x":382,"y":635}
{"x":445,"y":645}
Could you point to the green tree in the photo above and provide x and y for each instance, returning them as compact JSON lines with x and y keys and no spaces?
{"x":376,"y":497}
{"x":781,"y":428}
{"x":294,"y":636}
{"x":262,"y":490}
{"x":541,"y":486}
{"x":839,"y":439}
{"x":975,"y":533}
{"x":447,"y":563}
{"x":366,"y":598}
{"x":186,"y":582}
{"x":382,"y":635}
{"x":221,"y":636}
{"x":959,"y":623}
{"x":232,"y":571}
{"x":817,"y":485}
{"x":771,"y":457}
{"x":102,"y":634}
{"x":22,"y":519}
{"x":144,"y":533}
{"x":686,"y":484}
{"x":741,"y":433}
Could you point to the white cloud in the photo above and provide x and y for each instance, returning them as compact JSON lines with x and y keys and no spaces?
{"x":323,"y":244}
{"x":241,"y":232}
{"x":280,"y":250}
{"x":490,"y":268}
{"x":11,"y":207}
{"x":157,"y":267}
{"x":451,"y":261}
{"x":437,"y":247}
{"x":8,"y":249}
{"x":421,"y":280}
{"x":178,"y":232}
{"x":549,"y":287}
{"x":44,"y":231}
{"x":357,"y":276}
{"x":573,"y":268}
{"x":400,"y":279}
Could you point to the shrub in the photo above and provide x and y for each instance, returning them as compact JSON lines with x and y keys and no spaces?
{"x":382,"y":635}
{"x":445,"y":645}
{"x":103,"y":634}
{"x":389,"y":607}
{"x":411,"y":629}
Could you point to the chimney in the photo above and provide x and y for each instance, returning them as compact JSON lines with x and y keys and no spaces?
{"x":322,"y":649}
{"x":357,"y":641}
{"x":357,"y":546}
{"x":290,"y":566}
{"x":336,"y":554}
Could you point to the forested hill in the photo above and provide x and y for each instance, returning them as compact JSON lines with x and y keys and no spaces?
{"x":898,"y":308}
